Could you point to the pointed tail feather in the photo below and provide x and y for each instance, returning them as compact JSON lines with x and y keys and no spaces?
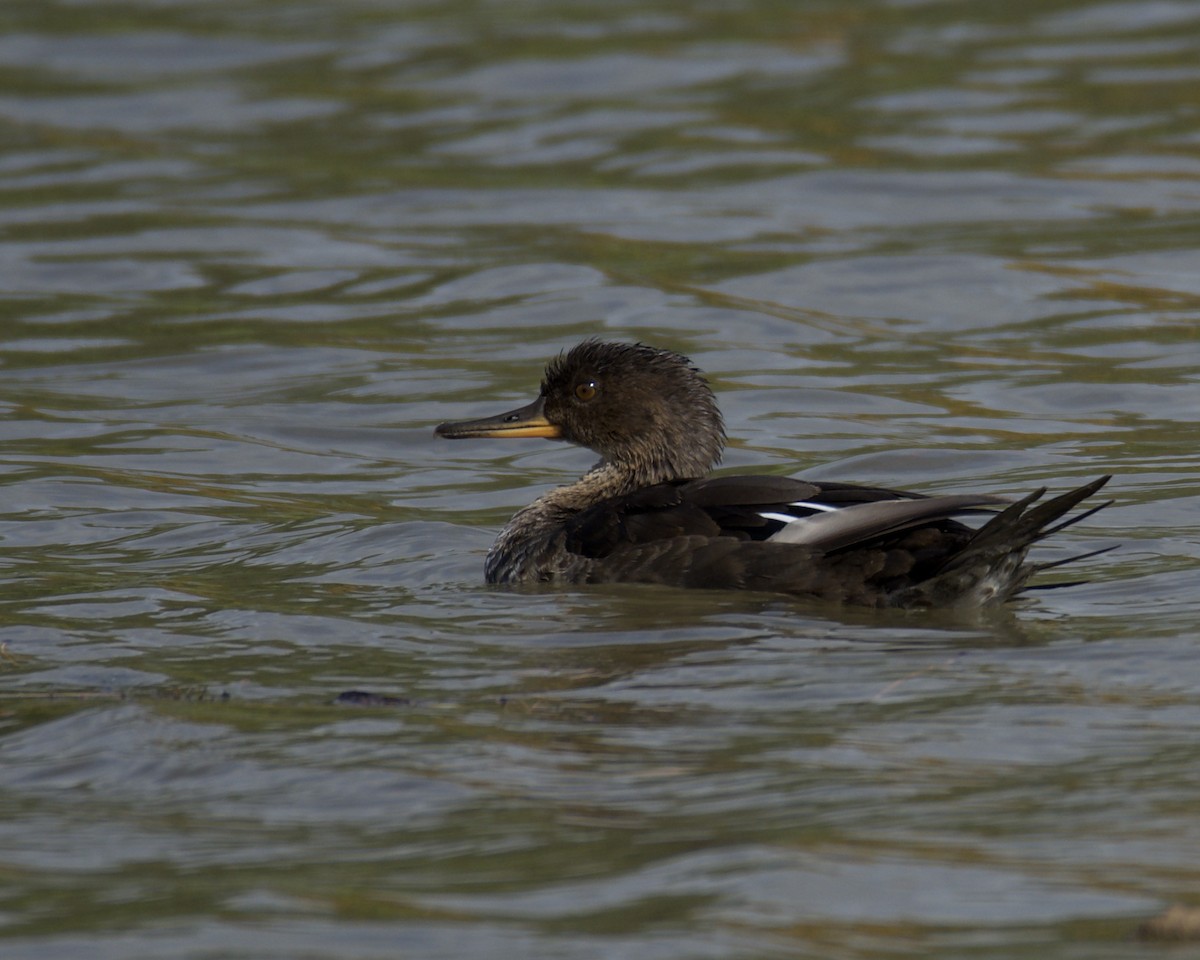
{"x":1021,"y":524}
{"x":991,"y":567}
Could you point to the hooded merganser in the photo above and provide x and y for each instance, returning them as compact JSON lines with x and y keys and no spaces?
{"x":648,"y":513}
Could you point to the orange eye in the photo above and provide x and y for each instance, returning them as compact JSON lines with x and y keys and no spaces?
{"x":585,"y":391}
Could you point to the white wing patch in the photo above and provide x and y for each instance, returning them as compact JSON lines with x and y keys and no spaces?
{"x":781,"y":517}
{"x":801,"y":504}
{"x":824,"y":507}
{"x":832,"y":529}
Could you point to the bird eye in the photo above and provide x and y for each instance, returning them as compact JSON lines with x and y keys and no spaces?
{"x":586,"y":390}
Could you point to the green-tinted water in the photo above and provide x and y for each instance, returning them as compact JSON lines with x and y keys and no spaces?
{"x":251,"y":252}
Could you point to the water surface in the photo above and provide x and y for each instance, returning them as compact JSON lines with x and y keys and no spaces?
{"x":250,"y":253}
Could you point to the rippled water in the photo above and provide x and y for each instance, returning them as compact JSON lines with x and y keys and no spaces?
{"x":251,"y":252}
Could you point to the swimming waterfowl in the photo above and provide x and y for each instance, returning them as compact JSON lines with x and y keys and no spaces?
{"x":648,"y":512}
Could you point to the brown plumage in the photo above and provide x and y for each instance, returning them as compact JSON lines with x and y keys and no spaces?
{"x":648,"y":513}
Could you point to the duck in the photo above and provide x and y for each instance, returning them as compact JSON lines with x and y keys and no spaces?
{"x":650,"y":510}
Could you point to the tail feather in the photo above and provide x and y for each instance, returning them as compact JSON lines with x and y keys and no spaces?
{"x":1037,"y":568}
{"x":1071,"y":521}
{"x":1050,"y":565}
{"x":1022,"y":523}
{"x":991,"y":566}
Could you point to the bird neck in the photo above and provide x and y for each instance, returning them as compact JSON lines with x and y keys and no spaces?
{"x":530,"y":545}
{"x":657,"y":458}
{"x":606,"y":479}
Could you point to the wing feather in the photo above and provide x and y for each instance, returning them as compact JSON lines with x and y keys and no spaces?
{"x":860,"y":522}
{"x":824,"y":517}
